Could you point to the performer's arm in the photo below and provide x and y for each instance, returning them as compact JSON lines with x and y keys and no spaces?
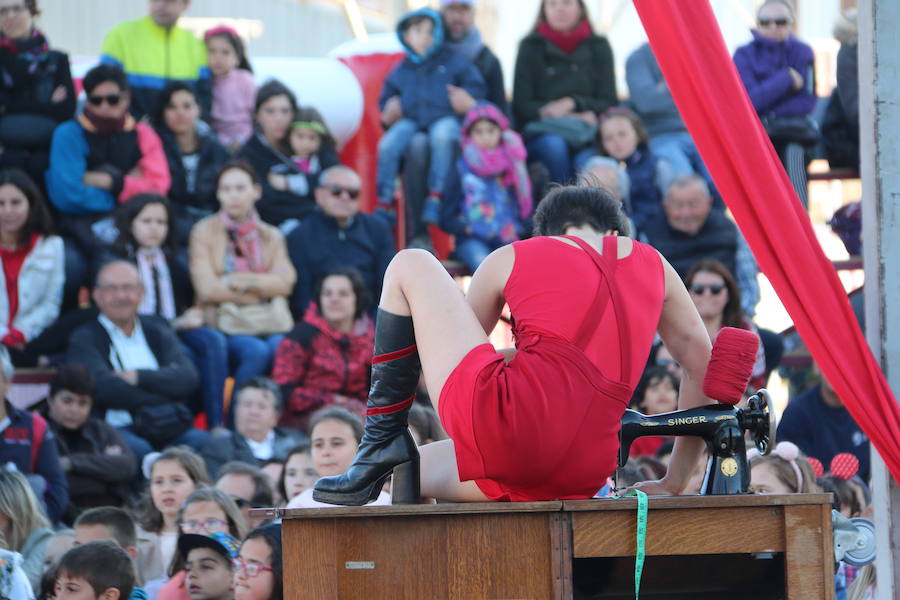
{"x":485,"y":294}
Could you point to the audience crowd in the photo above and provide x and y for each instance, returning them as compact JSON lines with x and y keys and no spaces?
{"x":187,"y":257}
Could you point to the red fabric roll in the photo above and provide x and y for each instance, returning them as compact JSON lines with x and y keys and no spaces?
{"x":730,"y":365}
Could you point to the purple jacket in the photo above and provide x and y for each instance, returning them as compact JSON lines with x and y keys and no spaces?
{"x":763,"y":65}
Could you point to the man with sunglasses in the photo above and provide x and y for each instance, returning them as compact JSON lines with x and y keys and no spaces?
{"x":337,"y":234}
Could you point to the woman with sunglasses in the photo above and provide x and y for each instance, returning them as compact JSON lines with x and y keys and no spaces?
{"x":237,"y":261}
{"x":718,"y":300}
{"x":777,"y":70}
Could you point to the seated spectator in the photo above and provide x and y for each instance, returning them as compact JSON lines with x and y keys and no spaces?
{"x":258,"y":570}
{"x":238,"y":262}
{"x":248,"y":487}
{"x":327,"y":357}
{"x":173,"y":475}
{"x":208,"y":565}
{"x":623,"y":137}
{"x":298,"y":473}
{"x":205,"y":512}
{"x":784,"y":471}
{"x":605,"y":172}
{"x":256,"y":440}
{"x":147,"y":239}
{"x":56,"y":546}
{"x":337,"y":234}
{"x":36,"y":91}
{"x":275,"y":109}
{"x":840,"y":126}
{"x":424,"y":424}
{"x":32,"y":260}
{"x":422,"y":93}
{"x":98,"y":464}
{"x":564,"y":78}
{"x":193,"y":153}
{"x":100,"y":159}
{"x":95,"y":571}
{"x":495,"y":201}
{"x":108,"y":523}
{"x":233,"y":87}
{"x":820,"y":425}
{"x":649,"y":94}
{"x":655,"y":393}
{"x":312,"y":151}
{"x":689,"y":230}
{"x":153,"y":50}
{"x":143,"y":378}
{"x":23,"y":524}
{"x":718,"y":300}
{"x":335,"y":434}
{"x":777,"y":71}
{"x":28,"y":445}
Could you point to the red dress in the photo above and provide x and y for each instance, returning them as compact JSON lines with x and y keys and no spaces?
{"x":546,"y":425}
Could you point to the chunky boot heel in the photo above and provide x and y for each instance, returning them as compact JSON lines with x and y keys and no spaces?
{"x":387,"y":443}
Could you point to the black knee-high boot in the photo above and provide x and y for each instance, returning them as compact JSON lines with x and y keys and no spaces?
{"x":387,"y":444}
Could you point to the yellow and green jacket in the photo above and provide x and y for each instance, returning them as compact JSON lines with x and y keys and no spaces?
{"x":152,"y":56}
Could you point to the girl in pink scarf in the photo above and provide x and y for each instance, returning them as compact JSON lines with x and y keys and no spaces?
{"x":496,"y":190}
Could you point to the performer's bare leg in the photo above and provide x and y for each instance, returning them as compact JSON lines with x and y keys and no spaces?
{"x":440,"y":476}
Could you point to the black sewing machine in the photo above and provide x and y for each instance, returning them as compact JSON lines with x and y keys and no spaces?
{"x":722,"y":426}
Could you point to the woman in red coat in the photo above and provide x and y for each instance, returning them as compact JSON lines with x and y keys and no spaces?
{"x":327,"y":357}
{"x":540,"y":421}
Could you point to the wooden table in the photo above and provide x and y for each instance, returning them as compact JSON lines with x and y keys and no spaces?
{"x":697,"y":547}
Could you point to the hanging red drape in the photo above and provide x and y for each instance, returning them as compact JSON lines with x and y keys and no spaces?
{"x":692,"y":55}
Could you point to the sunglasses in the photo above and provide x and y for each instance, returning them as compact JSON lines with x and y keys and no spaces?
{"x":336,"y":191}
{"x":111,"y":99}
{"x":714,"y":289}
{"x":778,"y":22}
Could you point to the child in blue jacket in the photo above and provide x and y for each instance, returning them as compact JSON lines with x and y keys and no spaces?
{"x":428,"y":91}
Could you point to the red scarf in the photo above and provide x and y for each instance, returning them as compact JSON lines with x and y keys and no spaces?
{"x":566,"y":41}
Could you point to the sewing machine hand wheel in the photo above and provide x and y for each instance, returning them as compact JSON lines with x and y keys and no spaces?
{"x":760,"y":405}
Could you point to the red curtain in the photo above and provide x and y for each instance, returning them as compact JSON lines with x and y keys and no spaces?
{"x":709,"y":94}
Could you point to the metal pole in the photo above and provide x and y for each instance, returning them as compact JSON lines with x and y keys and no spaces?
{"x":879,"y":108}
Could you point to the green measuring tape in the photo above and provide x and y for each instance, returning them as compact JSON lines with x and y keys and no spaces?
{"x":641,"y":538}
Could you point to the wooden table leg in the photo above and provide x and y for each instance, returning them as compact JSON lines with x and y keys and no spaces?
{"x":809,"y":552}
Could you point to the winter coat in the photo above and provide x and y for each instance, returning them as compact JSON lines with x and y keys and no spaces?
{"x":202,"y":195}
{"x":717,"y":238}
{"x":24,"y":92}
{"x":315,"y":363}
{"x":39,"y":289}
{"x":649,"y":93}
{"x":764,"y":64}
{"x":221,"y":449}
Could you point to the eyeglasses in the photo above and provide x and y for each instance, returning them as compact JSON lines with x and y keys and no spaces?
{"x":714,"y":289}
{"x":337,"y":190}
{"x":111,"y":99}
{"x":197,"y":526}
{"x":129,"y":288}
{"x":249,"y":569}
{"x":14,"y":11}
{"x":777,"y":22}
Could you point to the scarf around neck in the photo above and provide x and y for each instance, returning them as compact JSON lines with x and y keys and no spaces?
{"x":244,"y":252}
{"x":566,"y":41}
{"x":106,"y":125}
{"x":159,"y":296}
{"x":469,"y":45}
{"x":34,"y":45}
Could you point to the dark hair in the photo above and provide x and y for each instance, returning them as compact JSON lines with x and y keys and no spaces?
{"x":415,"y":20}
{"x":271,"y":535}
{"x":103,"y":73}
{"x":125,"y":245}
{"x":576,"y":206}
{"x":48,"y":583}
{"x":39,"y":220}
{"x":263,"y":495}
{"x":844,"y":494}
{"x":118,"y":521}
{"x":103,"y":564}
{"x":629,"y":115}
{"x":298,"y":449}
{"x":650,"y":377}
{"x":241,"y":165}
{"x":32,"y":7}
{"x":309,"y":114}
{"x":542,"y":18}
{"x":158,"y":116}
{"x":236,"y":42}
{"x":732,"y":314}
{"x":73,"y":377}
{"x":424,"y":419}
{"x":336,"y":413}
{"x":260,"y":383}
{"x":360,"y":290}
{"x":269,"y":90}
{"x":151,"y":519}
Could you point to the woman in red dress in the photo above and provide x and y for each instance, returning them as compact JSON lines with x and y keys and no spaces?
{"x":539,"y":421}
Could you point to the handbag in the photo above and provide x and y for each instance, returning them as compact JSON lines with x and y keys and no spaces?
{"x":575,"y":132}
{"x":159,"y":424}
{"x":799,"y":129}
{"x":264,"y":318}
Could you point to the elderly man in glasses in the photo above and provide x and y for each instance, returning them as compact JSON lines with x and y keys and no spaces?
{"x":337,"y":234}
{"x":99,"y":160}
